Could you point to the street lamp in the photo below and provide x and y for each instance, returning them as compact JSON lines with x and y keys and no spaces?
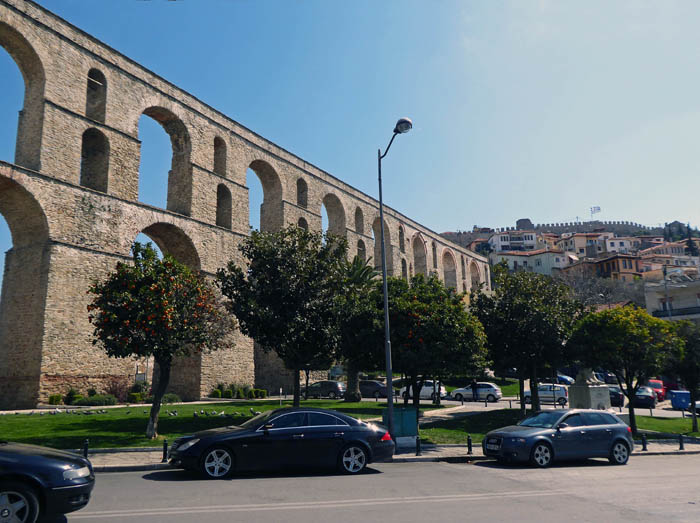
{"x":402,"y":126}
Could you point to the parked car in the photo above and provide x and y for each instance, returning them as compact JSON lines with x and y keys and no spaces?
{"x":562,"y":435}
{"x":658,"y":387}
{"x":617,"y":397}
{"x":372,"y":389}
{"x":485,"y":391}
{"x":670,"y":383}
{"x":426,"y":393}
{"x":550,"y":394}
{"x":645,"y":398}
{"x":287,"y":437}
{"x":561,"y":379}
{"x":325,"y":389}
{"x":41,"y":482}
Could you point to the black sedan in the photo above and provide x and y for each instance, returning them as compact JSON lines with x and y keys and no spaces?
{"x":562,"y":435}
{"x":617,"y":398}
{"x":288,"y":437}
{"x":39,"y":481}
{"x":325,"y":389}
{"x":645,"y":398}
{"x":372,"y":389}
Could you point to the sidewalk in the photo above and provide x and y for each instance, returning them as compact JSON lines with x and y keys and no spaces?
{"x":127,"y":460}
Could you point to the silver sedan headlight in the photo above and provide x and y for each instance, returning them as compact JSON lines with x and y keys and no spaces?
{"x":83,"y":472}
{"x":516,"y":441}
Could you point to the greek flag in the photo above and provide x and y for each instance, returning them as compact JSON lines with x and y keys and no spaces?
{"x":595,"y":209}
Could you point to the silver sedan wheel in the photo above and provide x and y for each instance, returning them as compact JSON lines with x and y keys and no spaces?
{"x":619,"y":453}
{"x":15,"y":507}
{"x":218,"y":463}
{"x":541,"y":455}
{"x":353,"y":459}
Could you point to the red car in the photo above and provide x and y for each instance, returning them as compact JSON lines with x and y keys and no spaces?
{"x":658,"y":387}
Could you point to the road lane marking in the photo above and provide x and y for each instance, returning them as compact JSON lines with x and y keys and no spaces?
{"x":305,"y":505}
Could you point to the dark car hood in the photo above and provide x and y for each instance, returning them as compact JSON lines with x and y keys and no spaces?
{"x":518,"y":431}
{"x":220,"y":431}
{"x":8,"y":450}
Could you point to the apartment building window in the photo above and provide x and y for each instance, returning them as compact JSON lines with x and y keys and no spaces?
{"x":581,"y":251}
{"x":622,"y":244}
{"x":556,"y":260}
{"x":538,"y":263}
{"x":612,"y":244}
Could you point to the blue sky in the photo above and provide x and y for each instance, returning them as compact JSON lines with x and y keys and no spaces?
{"x":536,"y":109}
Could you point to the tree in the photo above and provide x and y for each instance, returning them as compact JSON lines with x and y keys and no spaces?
{"x":361,"y":323}
{"x":626,"y":341}
{"x":527,"y":319}
{"x":594,"y":290}
{"x":691,"y":247}
{"x":156,"y":308}
{"x":684,"y":362}
{"x":285,"y":298}
{"x":432,"y":332}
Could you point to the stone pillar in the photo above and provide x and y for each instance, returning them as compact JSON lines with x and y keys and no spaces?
{"x":588,"y":393}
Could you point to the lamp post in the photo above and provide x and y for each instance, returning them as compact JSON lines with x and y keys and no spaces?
{"x":402,"y":126}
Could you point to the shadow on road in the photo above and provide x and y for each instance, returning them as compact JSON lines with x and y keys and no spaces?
{"x":560,"y":464}
{"x":185,"y":475}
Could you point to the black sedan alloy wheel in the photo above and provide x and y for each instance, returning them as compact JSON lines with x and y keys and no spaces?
{"x":18,"y":503}
{"x":353,"y":459}
{"x":217,"y":463}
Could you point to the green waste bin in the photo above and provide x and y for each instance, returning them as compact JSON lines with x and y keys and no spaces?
{"x":405,"y":422}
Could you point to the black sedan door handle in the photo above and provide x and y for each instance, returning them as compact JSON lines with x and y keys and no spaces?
{"x":339,"y":434}
{"x":297,"y":436}
{"x":583,"y":432}
{"x":609,"y":431}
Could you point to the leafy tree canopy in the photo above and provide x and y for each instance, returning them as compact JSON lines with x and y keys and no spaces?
{"x":684,"y":362}
{"x":156,"y":308}
{"x":285,"y":298}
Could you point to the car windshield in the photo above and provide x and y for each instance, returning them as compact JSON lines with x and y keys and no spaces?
{"x":545,"y":420}
{"x":254,"y":421}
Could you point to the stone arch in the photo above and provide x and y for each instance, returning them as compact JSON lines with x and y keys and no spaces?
{"x":23,"y":299}
{"x":402,"y":239}
{"x":449,"y":269}
{"x":359,"y":221}
{"x":179,"y":198}
{"x":420,"y":256}
{"x":271,"y":207}
{"x":376,"y":230}
{"x":220,"y":156}
{"x":404,"y":269}
{"x":302,"y":193}
{"x":172,"y":240}
{"x":31,"y":117}
{"x":336,"y":214}
{"x":303,"y":224}
{"x":223,"y":206}
{"x":475,"y":277}
{"x":361,"y":250}
{"x":96,"y":96}
{"x":94,"y":160}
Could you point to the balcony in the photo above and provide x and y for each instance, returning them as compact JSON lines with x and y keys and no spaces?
{"x":686,"y":311}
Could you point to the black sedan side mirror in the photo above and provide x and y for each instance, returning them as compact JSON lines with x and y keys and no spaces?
{"x":562,"y":426}
{"x":267,"y":427}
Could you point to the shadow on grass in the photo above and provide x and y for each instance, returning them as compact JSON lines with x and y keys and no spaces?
{"x":290,"y":472}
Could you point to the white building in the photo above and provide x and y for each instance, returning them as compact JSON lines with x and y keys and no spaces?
{"x":514,"y":241}
{"x":541,"y":261}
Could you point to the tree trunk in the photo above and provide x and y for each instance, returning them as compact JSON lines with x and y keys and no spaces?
{"x":353,"y":393}
{"x":297,"y":392}
{"x":534,"y":393}
{"x":631,"y":392}
{"x":416,"y":387}
{"x":521,"y":384}
{"x":163,"y":380}
{"x":437,"y":385}
{"x":306,"y":394}
{"x":405,"y":382}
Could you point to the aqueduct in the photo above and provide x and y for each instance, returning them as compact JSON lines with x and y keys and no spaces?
{"x":70,"y":200}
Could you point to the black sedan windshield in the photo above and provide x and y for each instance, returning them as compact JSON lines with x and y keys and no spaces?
{"x":257,"y":420}
{"x":544,"y":420}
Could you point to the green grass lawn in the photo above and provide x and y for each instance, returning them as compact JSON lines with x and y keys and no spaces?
{"x":668,"y":425}
{"x":456,"y":430}
{"x":126,"y":426}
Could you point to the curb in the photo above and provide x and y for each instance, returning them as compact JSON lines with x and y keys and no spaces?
{"x":413,"y":459}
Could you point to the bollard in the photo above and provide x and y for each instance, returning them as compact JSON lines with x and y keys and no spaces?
{"x":462,"y":399}
{"x":469,"y":444}
{"x":680,"y":442}
{"x":86,"y":443}
{"x":651,"y":412}
{"x":486,"y":403}
{"x":644,"y":442}
{"x":418,"y":452}
{"x":510,"y":404}
{"x":165,"y":451}
{"x":376,"y":398}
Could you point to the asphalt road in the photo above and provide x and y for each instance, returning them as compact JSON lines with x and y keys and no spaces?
{"x":663,"y":488}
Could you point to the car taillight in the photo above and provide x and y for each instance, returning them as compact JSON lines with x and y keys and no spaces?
{"x":566,"y":392}
{"x":629,"y":429}
{"x":386,"y":437}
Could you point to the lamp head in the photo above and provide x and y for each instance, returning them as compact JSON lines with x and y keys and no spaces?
{"x":403,"y":126}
